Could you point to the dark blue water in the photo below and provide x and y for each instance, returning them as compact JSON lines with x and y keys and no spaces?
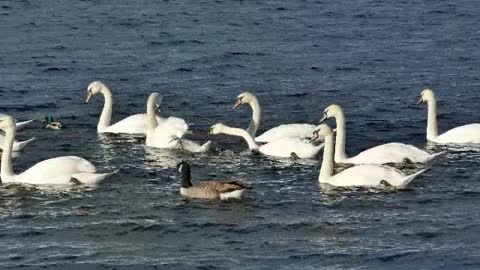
{"x":371,"y":56}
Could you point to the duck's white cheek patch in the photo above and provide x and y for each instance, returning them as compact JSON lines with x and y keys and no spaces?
{"x":180,"y":168}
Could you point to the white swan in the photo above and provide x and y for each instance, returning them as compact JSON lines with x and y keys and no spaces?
{"x":134,"y":124}
{"x":282,"y":147}
{"x":463,"y":134}
{"x":370,"y":175}
{"x":169,"y":132}
{"x":281,"y":131}
{"x":381,"y":154}
{"x":60,"y":170}
{"x":17,"y":146}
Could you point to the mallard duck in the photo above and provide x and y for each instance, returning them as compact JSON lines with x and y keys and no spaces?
{"x":52,"y":124}
{"x":212,"y":190}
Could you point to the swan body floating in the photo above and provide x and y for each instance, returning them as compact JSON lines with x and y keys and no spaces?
{"x":60,"y":170}
{"x":367,"y":175}
{"x":459,"y":135}
{"x":282,"y":147}
{"x":134,"y":124}
{"x":209,"y":189}
{"x":170,"y":131}
{"x":282,"y":131}
{"x":17,"y":146}
{"x":381,"y":154}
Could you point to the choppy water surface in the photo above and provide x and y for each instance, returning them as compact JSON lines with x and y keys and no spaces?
{"x":372,"y":57}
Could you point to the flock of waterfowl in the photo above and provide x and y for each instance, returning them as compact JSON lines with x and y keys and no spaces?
{"x":286,"y":140}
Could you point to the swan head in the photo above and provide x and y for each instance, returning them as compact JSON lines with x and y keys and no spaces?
{"x":6,"y":121}
{"x":155,"y":99}
{"x":426,"y":96}
{"x":93,"y":89}
{"x":330,"y":112}
{"x":245,"y":97}
{"x":322,"y":131}
{"x":217,"y":128}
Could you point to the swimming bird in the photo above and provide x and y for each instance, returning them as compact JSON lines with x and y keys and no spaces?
{"x":367,"y":175}
{"x":281,"y":131}
{"x":134,"y":124}
{"x":386,"y":153}
{"x":460,"y":135}
{"x":282,"y":147}
{"x":222,"y":190}
{"x":52,"y":123}
{"x":170,"y":131}
{"x":60,"y":170}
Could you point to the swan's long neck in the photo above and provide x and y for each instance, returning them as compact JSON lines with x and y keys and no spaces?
{"x":326,"y":170}
{"x":151,"y":115}
{"x":6,"y":166}
{"x":340,"y":139}
{"x":432,"y":126}
{"x":252,"y":145}
{"x":256,"y":116}
{"x":106,"y":115}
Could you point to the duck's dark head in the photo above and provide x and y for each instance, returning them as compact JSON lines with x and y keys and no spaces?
{"x":184,"y":168}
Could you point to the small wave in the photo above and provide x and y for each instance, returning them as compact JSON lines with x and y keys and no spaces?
{"x":50,"y":69}
{"x":181,"y":42}
{"x":29,"y":234}
{"x":347,"y":69}
{"x":184,"y":70}
{"x":297,"y":94}
{"x":390,"y":258}
{"x":154,"y":227}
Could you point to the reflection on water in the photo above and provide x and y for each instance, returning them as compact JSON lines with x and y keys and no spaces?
{"x":162,"y":158}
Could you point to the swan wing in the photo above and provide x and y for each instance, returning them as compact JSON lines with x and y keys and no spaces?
{"x":390,"y":153}
{"x":463,"y":134}
{"x":58,"y":170}
{"x":366,"y":175}
{"x":195,"y":147}
{"x":167,"y":132}
{"x":287,"y":130}
{"x":134,"y":124}
{"x":174,"y":122}
{"x":284,"y":147}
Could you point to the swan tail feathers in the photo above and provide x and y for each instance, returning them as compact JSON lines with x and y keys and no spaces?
{"x":22,"y":125}
{"x":434,"y":156}
{"x":409,"y":178}
{"x":206,"y":146}
{"x":21,"y":145}
{"x":92,"y":178}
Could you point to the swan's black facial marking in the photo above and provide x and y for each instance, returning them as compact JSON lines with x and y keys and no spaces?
{"x":89,"y":95}
{"x":238,"y":102}
{"x":325,"y":116}
{"x":315,"y":136}
{"x":420,"y":99}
